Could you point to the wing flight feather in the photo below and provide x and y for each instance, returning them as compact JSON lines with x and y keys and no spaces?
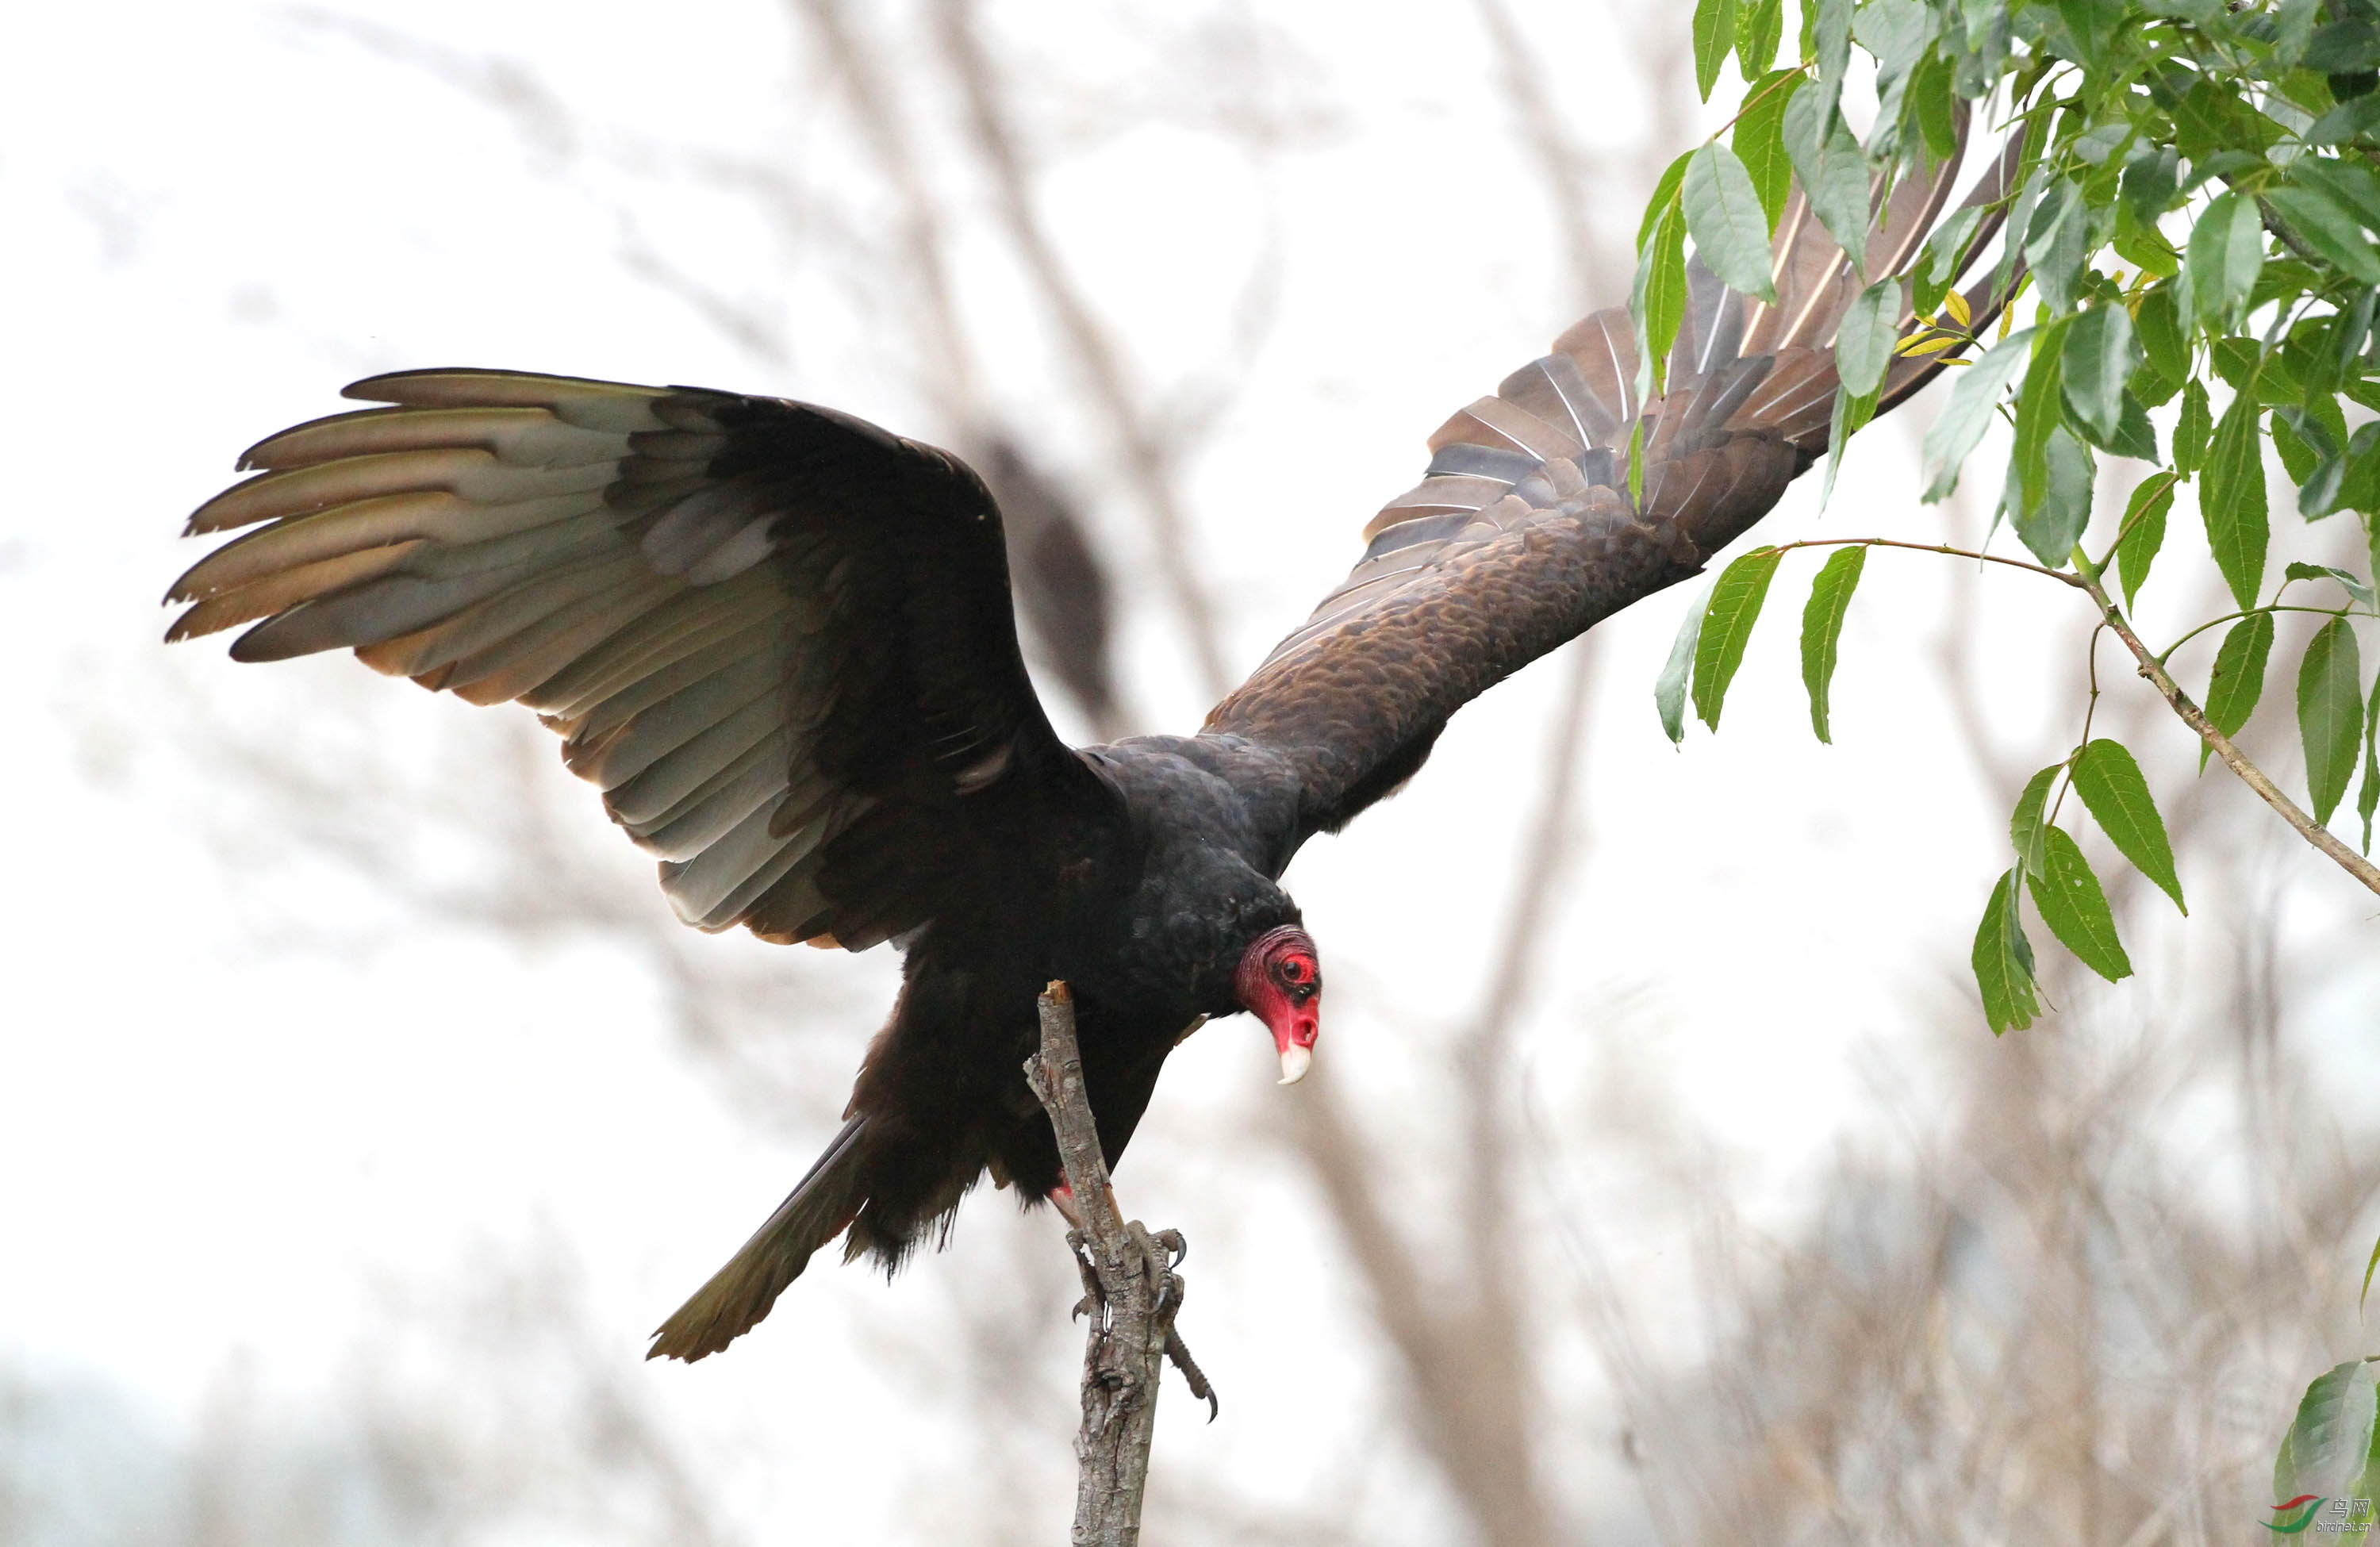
{"x":778,"y":639}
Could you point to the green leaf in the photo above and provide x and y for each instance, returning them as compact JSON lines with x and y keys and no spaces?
{"x":1974,"y":398}
{"x":2211,"y":118}
{"x":2030,"y":819}
{"x":2330,"y":1444}
{"x":2343,"y":48}
{"x":1636,"y":462}
{"x":2054,"y":239}
{"x":2158,"y":323}
{"x":1759,"y":28}
{"x":1760,"y":141}
{"x":2359,"y":489}
{"x":1665,"y":198}
{"x":2136,"y":242}
{"x":1833,"y":170}
{"x":2355,"y":587}
{"x":2093,"y":25}
{"x":2002,"y":959}
{"x":2313,"y":356}
{"x":2143,"y":532}
{"x":1935,"y":103}
{"x":2076,"y":909}
{"x":2313,"y":447}
{"x":1713,"y":36}
{"x":1945,"y":252}
{"x":2111,"y":786}
{"x":1864,"y":339}
{"x":1822,"y":629}
{"x":2319,"y":222}
{"x":1727,"y":628}
{"x":1724,"y":216}
{"x":2367,"y":799}
{"x":2298,"y":458}
{"x":2330,"y":713}
{"x":2353,"y":186}
{"x":2238,"y":680}
{"x":2293,"y":22}
{"x":2097,"y":360}
{"x":2207,"y":165}
{"x":1669,"y":688}
{"x":2226,"y":251}
{"x":1658,"y":302}
{"x":2365,"y":1293}
{"x":2349,"y":329}
{"x":1895,"y":32}
{"x":2051,"y":519}
{"x":2038,"y":409}
{"x":1849,"y":415}
{"x":2135,"y":437}
{"x":2191,"y":429}
{"x":1831,"y":45}
{"x":2350,"y":120}
{"x":2246,"y":368}
{"x":2232,"y":500}
{"x":2048,"y":469}
{"x":2150,"y":179}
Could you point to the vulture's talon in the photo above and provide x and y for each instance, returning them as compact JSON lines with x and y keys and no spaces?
{"x":1178,"y":1353}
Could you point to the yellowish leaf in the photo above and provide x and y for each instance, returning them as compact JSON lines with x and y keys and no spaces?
{"x":1956,"y":305}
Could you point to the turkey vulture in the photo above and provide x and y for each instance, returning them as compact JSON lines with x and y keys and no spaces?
{"x":782,"y":641}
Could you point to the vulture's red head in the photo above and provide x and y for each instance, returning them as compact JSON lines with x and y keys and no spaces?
{"x":1279,"y":983}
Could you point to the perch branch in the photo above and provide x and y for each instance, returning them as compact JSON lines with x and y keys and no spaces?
{"x":1129,"y":1289}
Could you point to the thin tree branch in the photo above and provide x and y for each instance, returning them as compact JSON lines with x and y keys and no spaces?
{"x":1943,"y":549}
{"x":1549,"y":139}
{"x":1143,"y":451}
{"x":1129,"y":1289}
{"x":951,"y":376}
{"x":2249,"y":774}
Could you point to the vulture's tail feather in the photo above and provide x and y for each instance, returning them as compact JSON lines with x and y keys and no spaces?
{"x":740,"y":1293}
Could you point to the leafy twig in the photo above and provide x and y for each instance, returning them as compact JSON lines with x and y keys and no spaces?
{"x":2249,"y":774}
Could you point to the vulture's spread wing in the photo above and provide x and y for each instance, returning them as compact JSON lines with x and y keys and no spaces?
{"x":778,"y":638}
{"x":1523,"y":534}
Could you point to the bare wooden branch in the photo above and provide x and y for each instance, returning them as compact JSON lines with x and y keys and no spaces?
{"x":1129,"y":1289}
{"x":2249,"y":774}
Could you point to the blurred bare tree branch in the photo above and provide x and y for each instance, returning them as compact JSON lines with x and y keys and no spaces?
{"x":1148,"y":462}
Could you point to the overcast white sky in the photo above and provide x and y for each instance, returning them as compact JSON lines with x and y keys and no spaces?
{"x":244,"y":1100}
